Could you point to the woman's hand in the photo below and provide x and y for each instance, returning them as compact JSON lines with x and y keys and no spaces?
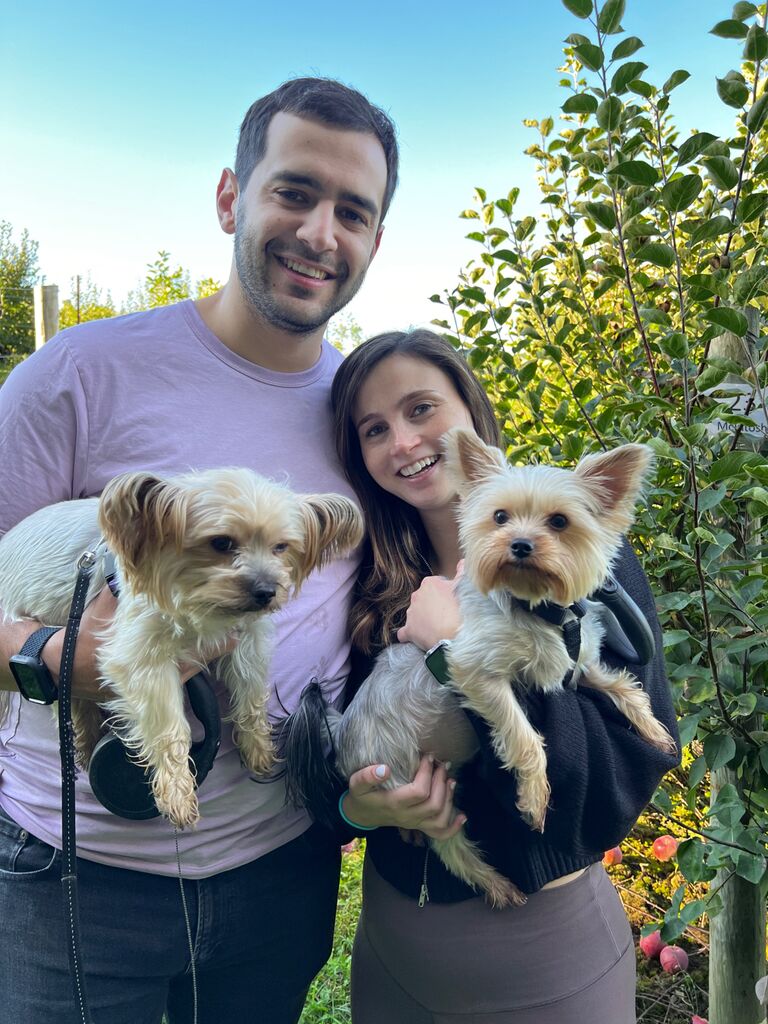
{"x":434,"y":613}
{"x":425,"y":804}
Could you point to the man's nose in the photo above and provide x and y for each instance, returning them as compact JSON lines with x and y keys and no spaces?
{"x":317,"y":229}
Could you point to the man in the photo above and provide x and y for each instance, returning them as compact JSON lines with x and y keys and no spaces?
{"x":239,"y":378}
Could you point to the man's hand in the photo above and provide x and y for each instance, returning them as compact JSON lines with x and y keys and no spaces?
{"x":434,"y":613}
{"x":425,"y":804}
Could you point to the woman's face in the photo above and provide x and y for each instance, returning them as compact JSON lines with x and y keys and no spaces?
{"x":402,"y":410}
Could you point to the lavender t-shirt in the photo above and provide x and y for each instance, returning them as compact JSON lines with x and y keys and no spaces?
{"x":159,"y":391}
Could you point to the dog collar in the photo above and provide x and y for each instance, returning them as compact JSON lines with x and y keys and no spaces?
{"x":568,"y":618}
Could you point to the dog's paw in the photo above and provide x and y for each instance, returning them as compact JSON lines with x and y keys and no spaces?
{"x":532,"y":800}
{"x":257,"y":753}
{"x":501,"y":893}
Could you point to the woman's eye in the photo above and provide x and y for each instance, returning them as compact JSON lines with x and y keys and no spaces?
{"x":375,"y":430}
{"x":222,"y":544}
{"x":278,"y":549}
{"x":500,"y":517}
{"x":422,"y":408}
{"x":558,"y":521}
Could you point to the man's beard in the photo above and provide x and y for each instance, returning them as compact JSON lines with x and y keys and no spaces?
{"x":252,"y":263}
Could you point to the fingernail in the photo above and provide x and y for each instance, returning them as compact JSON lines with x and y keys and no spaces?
{"x":452,"y":785}
{"x":462,"y":820}
{"x":447,"y":766}
{"x":381,"y":771}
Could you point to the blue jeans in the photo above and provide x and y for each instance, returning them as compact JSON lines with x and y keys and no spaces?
{"x":261,"y":933}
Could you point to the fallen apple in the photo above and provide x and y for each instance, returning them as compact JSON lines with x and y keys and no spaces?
{"x":673,"y":959}
{"x":652,"y":944}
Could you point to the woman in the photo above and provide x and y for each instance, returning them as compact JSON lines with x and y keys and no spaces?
{"x":428,"y":949}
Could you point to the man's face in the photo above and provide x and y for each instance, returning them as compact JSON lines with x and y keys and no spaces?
{"x":307,"y":222}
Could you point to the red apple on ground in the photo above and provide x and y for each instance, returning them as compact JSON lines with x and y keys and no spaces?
{"x":664,"y":848}
{"x":613,"y":856}
{"x":696,"y":1019}
{"x":652,"y":944}
{"x":673,"y":959}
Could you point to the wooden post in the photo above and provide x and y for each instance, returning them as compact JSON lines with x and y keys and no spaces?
{"x":737,"y":933}
{"x":46,"y":299}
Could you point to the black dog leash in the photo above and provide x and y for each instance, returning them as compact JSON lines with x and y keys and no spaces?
{"x":68,"y":772}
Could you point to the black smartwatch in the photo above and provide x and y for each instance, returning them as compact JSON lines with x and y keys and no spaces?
{"x":436,"y":662}
{"x":32,"y":676}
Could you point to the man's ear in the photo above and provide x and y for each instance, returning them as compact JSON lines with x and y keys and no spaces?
{"x":227,"y":192}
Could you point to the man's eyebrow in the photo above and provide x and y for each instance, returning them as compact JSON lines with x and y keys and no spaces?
{"x":292,"y":178}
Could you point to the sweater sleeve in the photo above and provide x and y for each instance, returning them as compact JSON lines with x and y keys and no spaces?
{"x":601,"y":772}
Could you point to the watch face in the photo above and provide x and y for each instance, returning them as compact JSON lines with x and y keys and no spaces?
{"x":34,"y":680}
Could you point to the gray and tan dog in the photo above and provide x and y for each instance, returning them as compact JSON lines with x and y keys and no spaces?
{"x":530,"y":535}
{"x":201,"y":558}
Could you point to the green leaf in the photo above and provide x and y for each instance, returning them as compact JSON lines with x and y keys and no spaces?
{"x":746,"y":704}
{"x":711,"y":229}
{"x":678,"y":194}
{"x":743,"y":9}
{"x":719,"y":748}
{"x":749,"y":284}
{"x":627,"y":47}
{"x":609,"y":20}
{"x":658,"y":253}
{"x":693,"y":146}
{"x":687,"y":728}
{"x":589,"y":55}
{"x":757,"y":114}
{"x":609,"y":113}
{"x":729,"y":29}
{"x":723,"y":172}
{"x":581,"y":8}
{"x":697,"y":772}
{"x":602,"y":213}
{"x":675,"y":79}
{"x":636,"y":172}
{"x":627,"y":73}
{"x":756,"y":46}
{"x":675,"y":345}
{"x":752,"y":207}
{"x":731,"y":464}
{"x":727,"y":318}
{"x":690,"y":860}
{"x":641,"y":88}
{"x":750,"y":866}
{"x":581,"y":103}
{"x":732,"y":92}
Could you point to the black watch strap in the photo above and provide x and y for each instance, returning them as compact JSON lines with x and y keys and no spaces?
{"x":36,"y":641}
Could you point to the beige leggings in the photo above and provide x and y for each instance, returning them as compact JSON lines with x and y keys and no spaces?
{"x":567,"y":957}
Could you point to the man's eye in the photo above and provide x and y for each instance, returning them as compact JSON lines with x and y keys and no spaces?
{"x":353,"y":216}
{"x":223,"y":544}
{"x":290,"y":195}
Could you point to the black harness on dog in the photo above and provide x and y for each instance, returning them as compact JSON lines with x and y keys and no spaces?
{"x":627,"y":631}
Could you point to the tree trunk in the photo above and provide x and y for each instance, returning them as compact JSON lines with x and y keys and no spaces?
{"x":736,"y":942}
{"x":737,"y":933}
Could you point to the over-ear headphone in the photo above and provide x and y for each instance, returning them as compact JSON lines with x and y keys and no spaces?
{"x":122,"y":786}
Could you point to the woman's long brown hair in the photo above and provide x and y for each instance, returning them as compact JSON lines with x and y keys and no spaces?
{"x":397,"y":552}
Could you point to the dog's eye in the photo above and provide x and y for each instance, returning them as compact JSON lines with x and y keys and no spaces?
{"x":222,"y":544}
{"x":558,"y":521}
{"x":278,"y":549}
{"x":500,"y":517}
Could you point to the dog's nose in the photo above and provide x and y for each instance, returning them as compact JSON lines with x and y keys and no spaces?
{"x":262,"y":595}
{"x":521,"y":548}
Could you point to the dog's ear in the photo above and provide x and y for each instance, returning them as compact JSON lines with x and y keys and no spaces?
{"x":469,"y":460}
{"x":616,"y":480}
{"x":333,"y":525}
{"x":138,"y":514}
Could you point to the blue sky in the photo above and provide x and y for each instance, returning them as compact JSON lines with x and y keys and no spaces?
{"x":117,"y":119}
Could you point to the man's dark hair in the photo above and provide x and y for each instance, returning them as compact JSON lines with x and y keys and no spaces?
{"x":316,"y":99}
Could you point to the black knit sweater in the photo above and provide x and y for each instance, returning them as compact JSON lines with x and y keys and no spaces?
{"x":602,"y":775}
